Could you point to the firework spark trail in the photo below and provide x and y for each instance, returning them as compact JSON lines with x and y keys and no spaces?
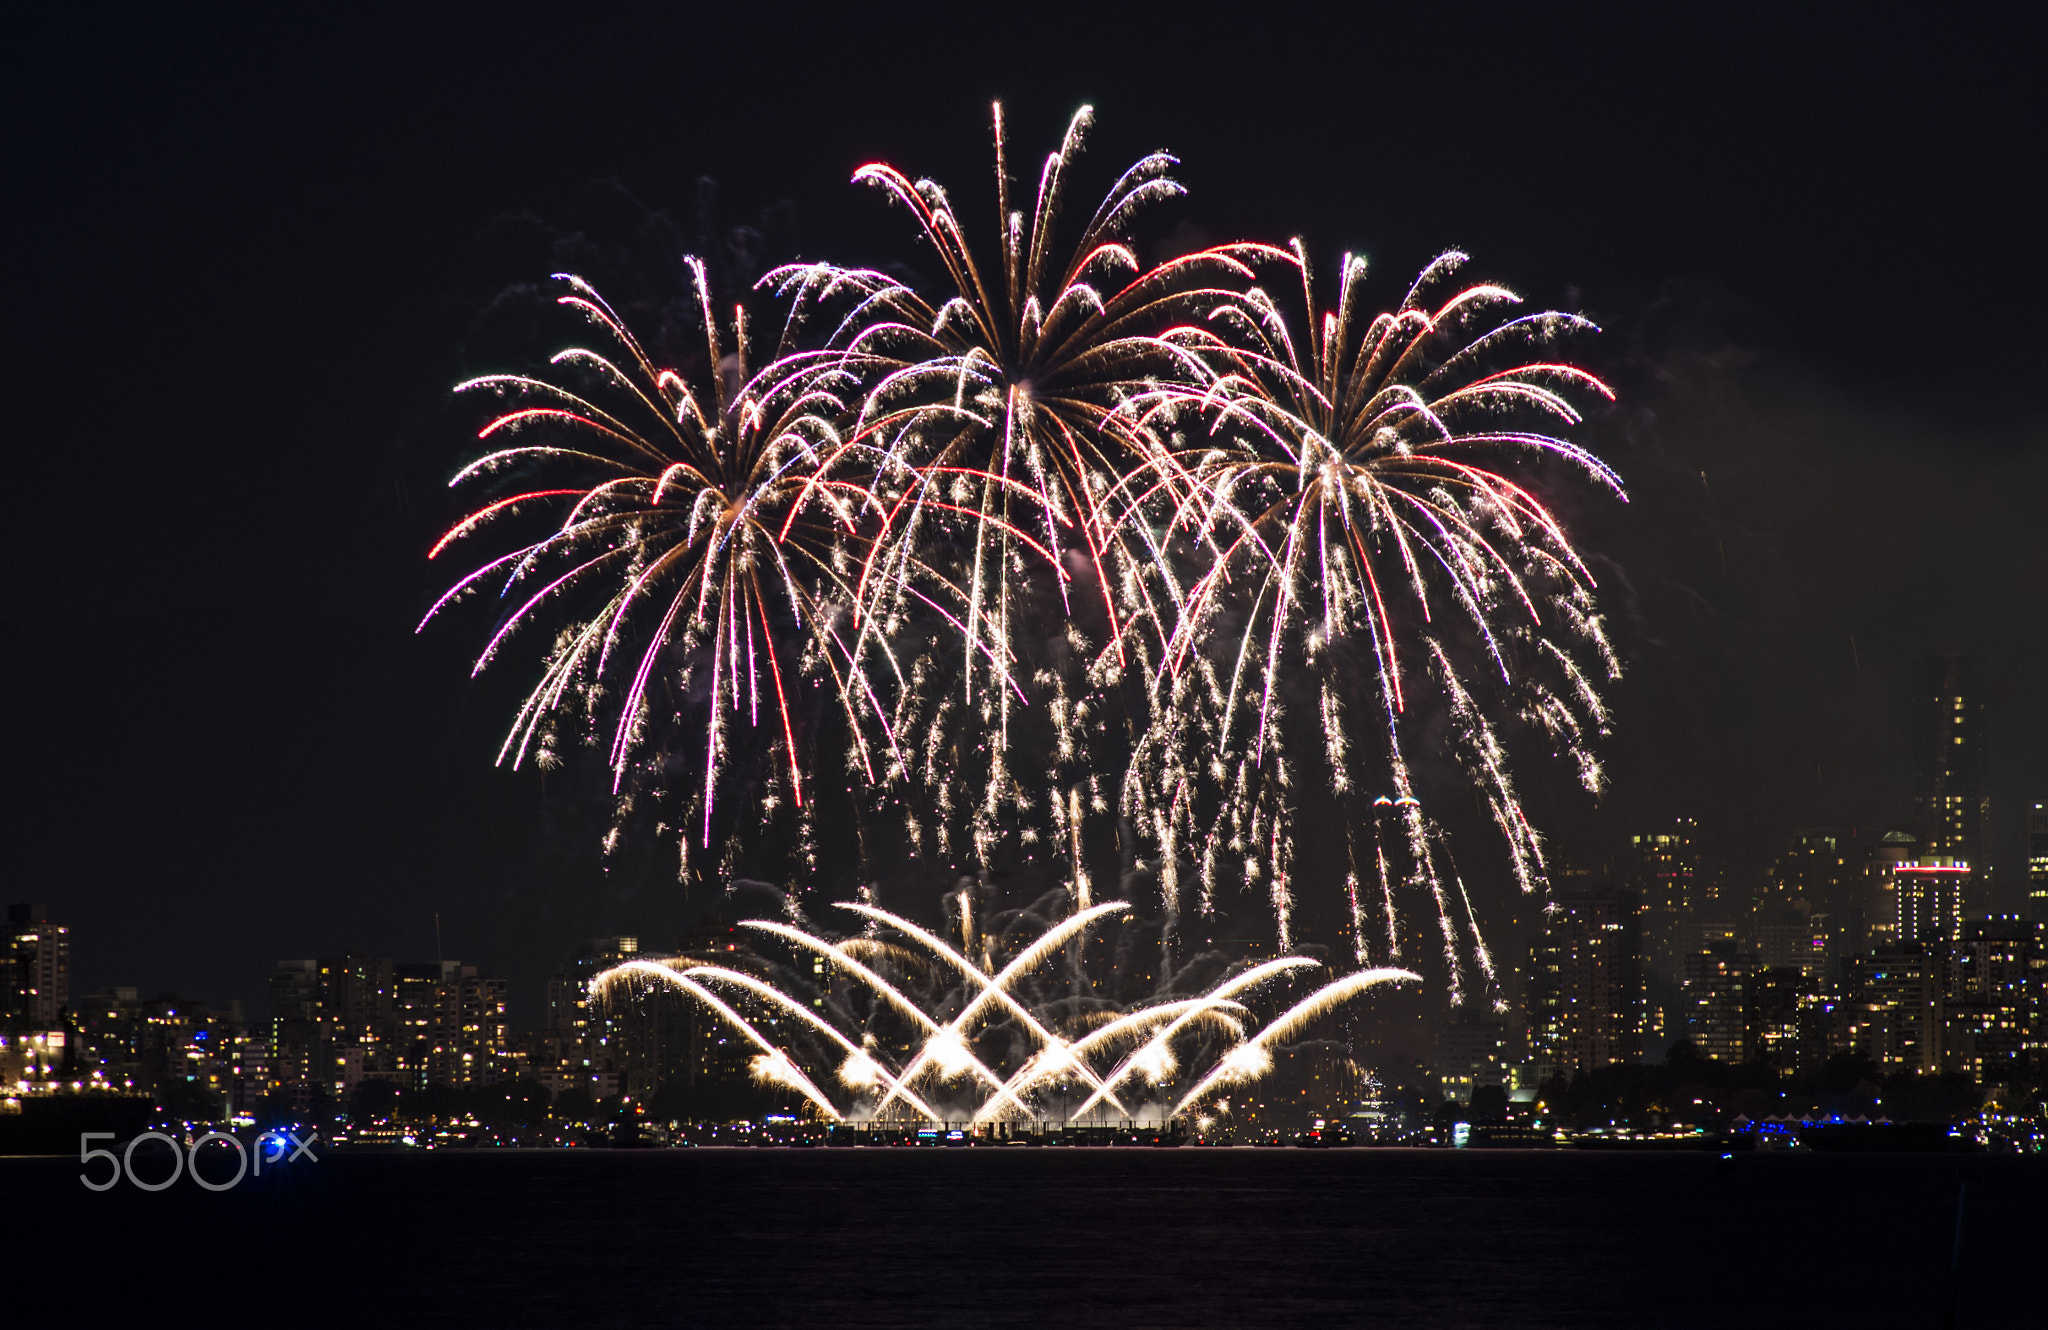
{"x":791,"y":1076}
{"x":1387,"y":894}
{"x":689,"y":981}
{"x":1480,"y":952}
{"x":1319,"y":1003}
{"x":1250,"y":979}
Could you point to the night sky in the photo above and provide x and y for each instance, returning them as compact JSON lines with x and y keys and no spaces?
{"x":251,"y":252}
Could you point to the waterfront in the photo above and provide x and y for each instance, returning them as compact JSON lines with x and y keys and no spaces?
{"x":1097,"y":1237}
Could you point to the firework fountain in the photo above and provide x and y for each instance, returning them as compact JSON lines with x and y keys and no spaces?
{"x":1061,"y":542}
{"x":974,"y":1040}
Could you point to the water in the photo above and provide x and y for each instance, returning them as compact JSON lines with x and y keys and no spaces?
{"x":1124,"y":1237}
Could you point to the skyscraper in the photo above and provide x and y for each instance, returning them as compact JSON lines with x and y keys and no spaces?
{"x":1896,"y":995}
{"x":1719,"y":979}
{"x":1896,"y":850}
{"x":1586,"y":983}
{"x":1951,"y":789}
{"x":1664,"y":871}
{"x":1993,"y":1013}
{"x":36,"y":988}
{"x":2037,"y":861}
{"x":1471,"y":1052}
{"x":1929,"y":899}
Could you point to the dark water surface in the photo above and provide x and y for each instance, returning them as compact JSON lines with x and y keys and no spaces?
{"x":1117,"y":1237}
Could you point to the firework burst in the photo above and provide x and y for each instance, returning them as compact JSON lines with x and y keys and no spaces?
{"x":696,"y":565}
{"x":1344,"y":494}
{"x":1187,"y":538}
{"x":992,"y":412}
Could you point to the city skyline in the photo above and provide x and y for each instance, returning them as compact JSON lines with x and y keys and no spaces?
{"x":1645,"y":951}
{"x":1769,"y":985}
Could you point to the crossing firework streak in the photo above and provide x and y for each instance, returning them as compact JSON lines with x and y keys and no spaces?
{"x":1064,"y":1063}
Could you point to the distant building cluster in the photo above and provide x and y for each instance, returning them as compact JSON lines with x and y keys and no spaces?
{"x":1873,"y":942}
{"x":338,"y":1024}
{"x":1970,"y":1000}
{"x":333,"y":1023}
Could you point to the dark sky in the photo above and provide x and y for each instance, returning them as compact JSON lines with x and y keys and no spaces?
{"x":251,"y":250}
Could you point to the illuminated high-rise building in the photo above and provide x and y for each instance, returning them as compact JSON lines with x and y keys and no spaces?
{"x":1586,"y":987}
{"x":1793,"y":941}
{"x":299,"y":1050}
{"x":1951,"y":786}
{"x":1778,"y":1025}
{"x":1719,"y":978}
{"x":1895,"y":849}
{"x":1992,"y":1019}
{"x":416,"y":1029}
{"x":2037,"y":861}
{"x":1471,"y":1052}
{"x":475,"y":1033}
{"x":1900,"y":993}
{"x":1664,"y":871}
{"x":35,"y":991}
{"x":1929,"y":898}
